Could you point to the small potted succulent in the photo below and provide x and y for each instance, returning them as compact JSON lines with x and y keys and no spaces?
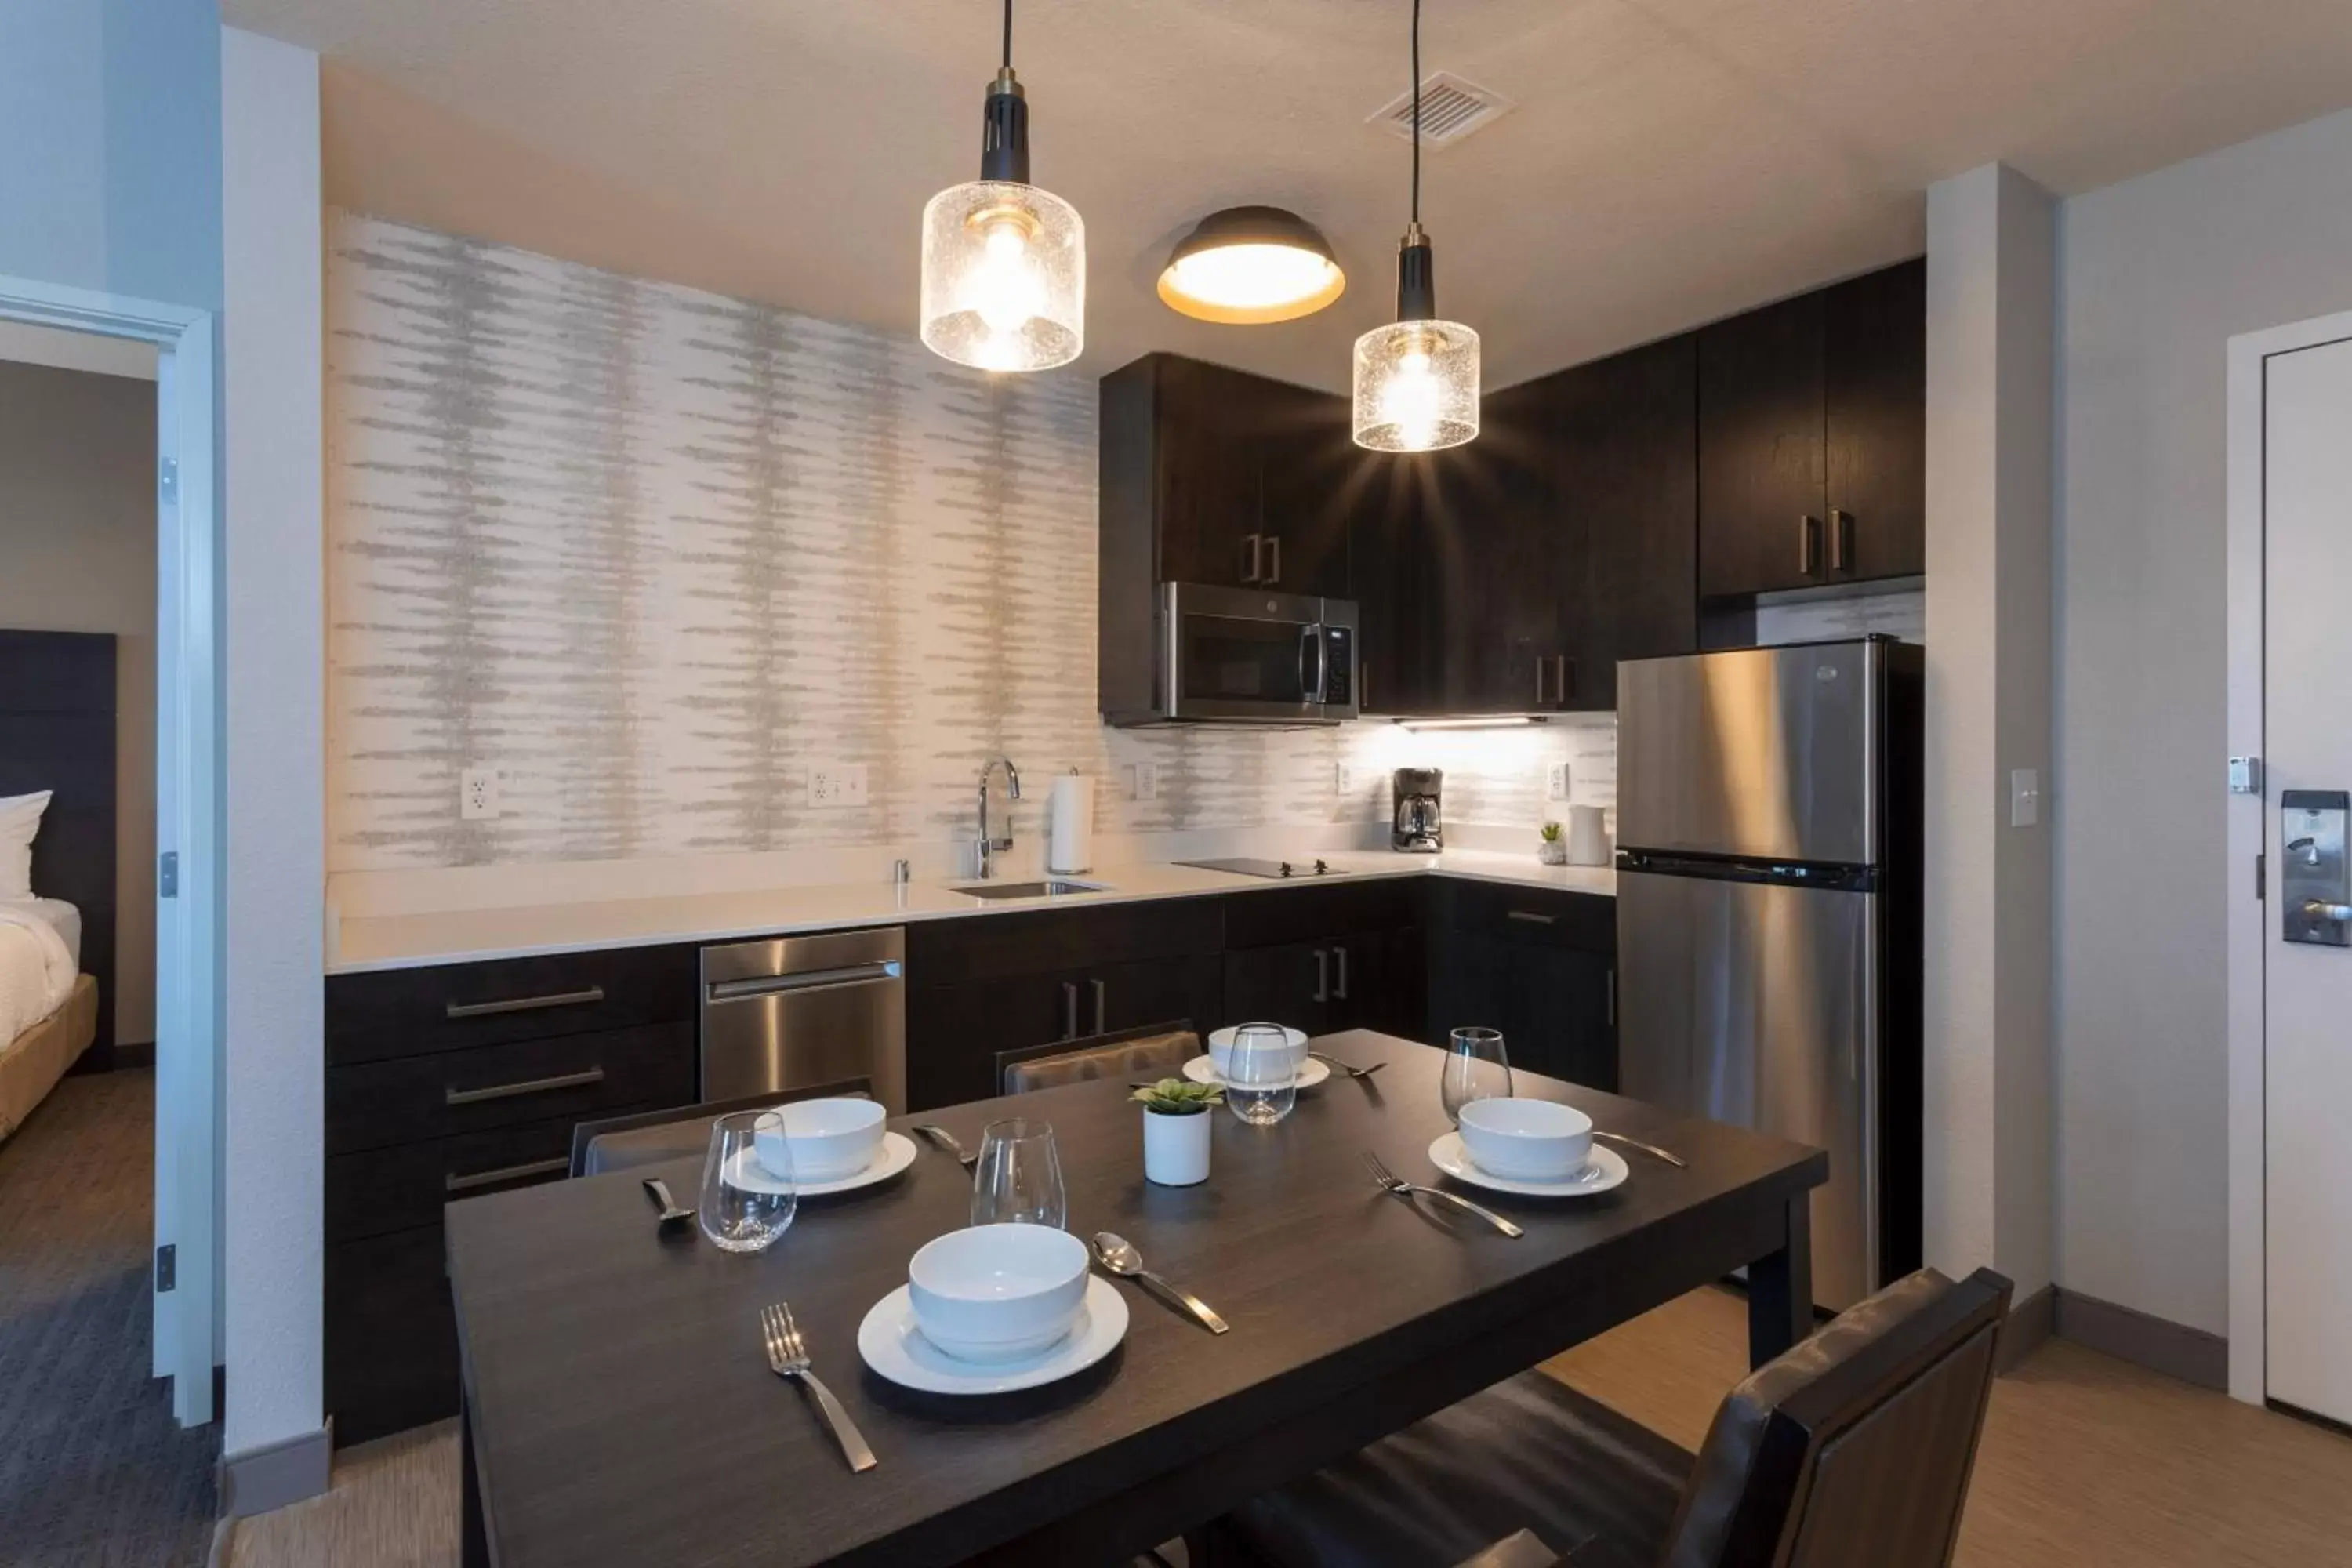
{"x":1553,"y":850}
{"x":1176,"y":1123}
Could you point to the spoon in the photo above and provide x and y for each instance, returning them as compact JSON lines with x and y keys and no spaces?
{"x":658,"y":1190}
{"x":1118,"y":1255}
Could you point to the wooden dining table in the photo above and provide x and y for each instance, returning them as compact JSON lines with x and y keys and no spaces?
{"x":618,"y":1407}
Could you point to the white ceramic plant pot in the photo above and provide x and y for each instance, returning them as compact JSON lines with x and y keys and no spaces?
{"x":1176,"y":1148}
{"x":1552,"y":851}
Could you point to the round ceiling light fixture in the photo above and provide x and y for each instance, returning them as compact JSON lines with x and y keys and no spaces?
{"x":1005,"y":263}
{"x":1251,"y":266}
{"x":1417,"y":380}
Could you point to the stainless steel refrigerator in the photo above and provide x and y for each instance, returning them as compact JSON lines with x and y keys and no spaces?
{"x":1769,"y":807}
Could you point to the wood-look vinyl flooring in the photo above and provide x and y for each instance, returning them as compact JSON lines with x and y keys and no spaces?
{"x":2086,"y":1462}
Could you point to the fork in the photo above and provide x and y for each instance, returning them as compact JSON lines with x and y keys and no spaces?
{"x":947,"y":1142}
{"x":1396,"y":1186}
{"x":788,"y":1358}
{"x":1350,"y":1069}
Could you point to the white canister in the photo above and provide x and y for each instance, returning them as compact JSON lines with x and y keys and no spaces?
{"x":1588,"y":837}
{"x":1176,"y":1147}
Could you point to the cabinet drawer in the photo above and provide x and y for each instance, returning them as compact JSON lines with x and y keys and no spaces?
{"x":1585,"y":921}
{"x":391,"y":1350}
{"x":1276,"y":917}
{"x":383,"y":1190}
{"x":994,"y":947}
{"x":574,"y":1077}
{"x":416,"y":1012}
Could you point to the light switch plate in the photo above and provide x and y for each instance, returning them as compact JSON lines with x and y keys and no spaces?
{"x":1343,"y":778}
{"x":1147,"y":780}
{"x":2024,"y":797}
{"x":1556,"y":781}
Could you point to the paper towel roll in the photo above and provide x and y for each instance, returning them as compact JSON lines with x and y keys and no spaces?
{"x":1070,"y":826}
{"x":1588,"y":837}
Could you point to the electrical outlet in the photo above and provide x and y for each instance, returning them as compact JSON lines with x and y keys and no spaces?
{"x":1556,"y":781}
{"x":837,"y":784}
{"x":1343,"y":778}
{"x":478,"y":794}
{"x":1147,"y":780}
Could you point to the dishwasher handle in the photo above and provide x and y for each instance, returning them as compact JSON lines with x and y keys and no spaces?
{"x":761,"y":985}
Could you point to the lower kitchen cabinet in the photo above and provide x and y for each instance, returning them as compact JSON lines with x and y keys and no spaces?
{"x":391,"y":1337}
{"x":1540,"y":967}
{"x":953,"y":1032}
{"x":1327,"y":956}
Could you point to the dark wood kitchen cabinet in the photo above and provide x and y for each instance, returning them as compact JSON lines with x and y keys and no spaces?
{"x":1327,"y":956}
{"x":1541,"y":966}
{"x":1812,"y":438}
{"x":1213,"y":475}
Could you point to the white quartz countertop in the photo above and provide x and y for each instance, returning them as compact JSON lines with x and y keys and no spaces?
{"x":456,"y":936}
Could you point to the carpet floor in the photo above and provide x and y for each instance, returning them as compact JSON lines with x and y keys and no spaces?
{"x":93,"y":1470}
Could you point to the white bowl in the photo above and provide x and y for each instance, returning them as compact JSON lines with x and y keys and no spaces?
{"x":1526,"y":1140}
{"x":828,"y":1139}
{"x":1221,"y":1049}
{"x":997,"y":1292}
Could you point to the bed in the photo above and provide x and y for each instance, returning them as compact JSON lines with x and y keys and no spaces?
{"x":56,"y":947}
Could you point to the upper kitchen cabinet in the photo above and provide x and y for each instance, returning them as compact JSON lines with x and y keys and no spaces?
{"x":1217,"y":477}
{"x":1812,"y":438}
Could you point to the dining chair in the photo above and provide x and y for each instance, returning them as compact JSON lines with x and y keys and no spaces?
{"x":650,"y":1137}
{"x":1855,"y":1448}
{"x":1154,"y":1050}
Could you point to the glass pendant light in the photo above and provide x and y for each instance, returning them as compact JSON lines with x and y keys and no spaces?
{"x":1417,"y":379}
{"x":1250,"y":266}
{"x":1005,"y":263}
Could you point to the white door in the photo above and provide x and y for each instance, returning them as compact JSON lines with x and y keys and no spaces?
{"x":2307,"y":986}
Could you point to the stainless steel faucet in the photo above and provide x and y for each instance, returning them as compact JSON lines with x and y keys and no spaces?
{"x":989,"y":846}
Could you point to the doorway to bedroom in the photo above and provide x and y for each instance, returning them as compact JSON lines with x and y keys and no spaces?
{"x":80,"y":560}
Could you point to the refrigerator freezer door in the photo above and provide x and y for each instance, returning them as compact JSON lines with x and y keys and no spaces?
{"x":1752,"y":1003}
{"x":1766,"y":753}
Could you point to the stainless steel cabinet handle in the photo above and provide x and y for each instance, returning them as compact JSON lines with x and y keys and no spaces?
{"x":525,"y":1004}
{"x":1531,"y":917}
{"x":1840,"y":540}
{"x":806,"y":980}
{"x":1809,"y":545}
{"x":1539,"y":680}
{"x":1322,"y":975}
{"x":1069,"y":1009}
{"x":1274,"y":554}
{"x":1560,"y":684}
{"x":1339,"y":992}
{"x":457,"y":1184}
{"x":1254,"y":545}
{"x":1102,"y":996}
{"x":452,"y":1095}
{"x":1612,"y":996}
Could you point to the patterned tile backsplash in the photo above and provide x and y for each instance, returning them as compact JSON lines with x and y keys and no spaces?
{"x":658,"y":556}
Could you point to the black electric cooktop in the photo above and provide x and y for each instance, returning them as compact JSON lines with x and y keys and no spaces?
{"x":1273,"y":868}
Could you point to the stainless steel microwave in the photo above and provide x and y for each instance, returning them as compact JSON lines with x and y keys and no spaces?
{"x":1243,"y":656}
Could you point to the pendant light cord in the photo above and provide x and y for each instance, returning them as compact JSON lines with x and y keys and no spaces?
{"x":1008,"y":32}
{"x":1416,"y":97}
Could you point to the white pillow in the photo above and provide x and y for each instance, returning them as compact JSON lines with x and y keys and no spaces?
{"x":20,"y":822}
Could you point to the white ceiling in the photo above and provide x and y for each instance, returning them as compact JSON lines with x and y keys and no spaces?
{"x":1669,"y":161}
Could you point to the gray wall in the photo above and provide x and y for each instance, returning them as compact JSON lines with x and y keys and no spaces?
{"x":78,"y":554}
{"x":2155,"y":275}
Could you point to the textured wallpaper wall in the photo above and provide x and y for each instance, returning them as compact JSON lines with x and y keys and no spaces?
{"x":657,"y":555}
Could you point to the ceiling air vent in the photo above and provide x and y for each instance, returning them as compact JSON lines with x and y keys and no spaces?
{"x":1451,"y":108}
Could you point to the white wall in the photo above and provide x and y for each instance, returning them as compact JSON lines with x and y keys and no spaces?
{"x":274,"y":853}
{"x":78,"y":532}
{"x":1991,"y":276}
{"x":2156,"y":274}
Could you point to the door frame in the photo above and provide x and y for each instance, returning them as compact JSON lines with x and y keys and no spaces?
{"x":189,"y":802}
{"x":2247,"y":836}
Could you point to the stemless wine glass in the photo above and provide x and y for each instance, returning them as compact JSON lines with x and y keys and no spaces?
{"x":1261,"y":1075}
{"x":1476,"y":1068}
{"x":1018,"y":1179}
{"x":747,"y":1189}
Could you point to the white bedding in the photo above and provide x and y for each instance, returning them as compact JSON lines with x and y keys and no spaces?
{"x":37,"y":968}
{"x":67,"y":920}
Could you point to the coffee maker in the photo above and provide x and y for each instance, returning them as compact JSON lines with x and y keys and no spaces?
{"x":1414,"y":829}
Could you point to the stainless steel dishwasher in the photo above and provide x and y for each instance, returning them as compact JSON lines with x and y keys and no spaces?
{"x":806,"y":1010}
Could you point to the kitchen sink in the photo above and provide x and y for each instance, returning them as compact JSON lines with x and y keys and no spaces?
{"x":1053,"y":888}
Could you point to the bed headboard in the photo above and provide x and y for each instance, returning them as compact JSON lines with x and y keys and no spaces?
{"x":57,"y":733}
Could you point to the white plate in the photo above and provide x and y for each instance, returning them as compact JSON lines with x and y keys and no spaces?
{"x":898,"y":1152}
{"x":895,"y":1348}
{"x":1606,"y":1170}
{"x":1204,"y":1069}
